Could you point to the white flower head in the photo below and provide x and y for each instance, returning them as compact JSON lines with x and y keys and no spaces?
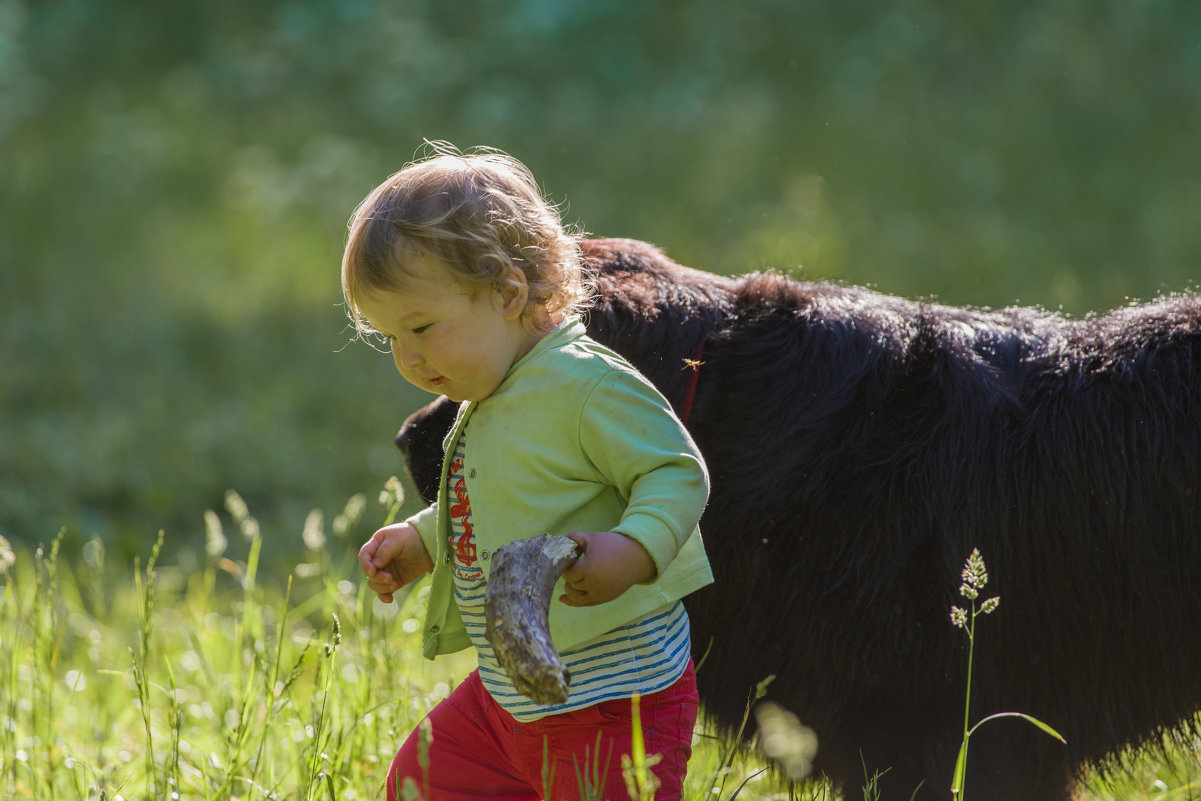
{"x":393,"y":493}
{"x":783,"y":738}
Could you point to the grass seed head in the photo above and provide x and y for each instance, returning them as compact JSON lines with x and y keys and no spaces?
{"x":7,"y":556}
{"x":215,"y":542}
{"x":959,"y":617}
{"x":975,"y":576}
{"x":314,"y":530}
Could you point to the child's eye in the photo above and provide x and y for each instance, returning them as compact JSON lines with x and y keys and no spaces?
{"x":421,"y":329}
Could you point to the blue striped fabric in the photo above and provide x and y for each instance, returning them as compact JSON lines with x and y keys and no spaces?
{"x":643,"y":656}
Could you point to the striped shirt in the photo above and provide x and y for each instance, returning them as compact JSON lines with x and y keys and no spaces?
{"x":642,"y":656}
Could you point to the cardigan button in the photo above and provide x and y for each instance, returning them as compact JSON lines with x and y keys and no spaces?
{"x":434,"y":629}
{"x":484,"y":554}
{"x":471,"y":473}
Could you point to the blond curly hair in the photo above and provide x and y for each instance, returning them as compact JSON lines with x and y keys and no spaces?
{"x":479,"y":212}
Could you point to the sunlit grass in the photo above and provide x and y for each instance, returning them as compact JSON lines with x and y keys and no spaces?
{"x":217,"y":680}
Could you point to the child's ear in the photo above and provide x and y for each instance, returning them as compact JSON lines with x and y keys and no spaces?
{"x":512,"y":293}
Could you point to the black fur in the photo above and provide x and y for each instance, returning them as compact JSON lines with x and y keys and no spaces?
{"x":860,"y":445}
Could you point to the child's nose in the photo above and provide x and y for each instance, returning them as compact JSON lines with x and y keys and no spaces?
{"x":405,"y":357}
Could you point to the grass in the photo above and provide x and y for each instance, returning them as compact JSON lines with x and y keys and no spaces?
{"x":975,"y":576}
{"x":214,"y":681}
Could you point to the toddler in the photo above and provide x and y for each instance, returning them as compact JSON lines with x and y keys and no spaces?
{"x":466,"y":271}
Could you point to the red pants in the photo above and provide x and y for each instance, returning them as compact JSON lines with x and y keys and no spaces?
{"x":478,"y":750}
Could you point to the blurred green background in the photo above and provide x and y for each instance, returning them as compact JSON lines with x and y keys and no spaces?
{"x":175,"y":179}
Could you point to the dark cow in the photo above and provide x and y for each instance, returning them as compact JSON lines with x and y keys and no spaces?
{"x":860,"y":446}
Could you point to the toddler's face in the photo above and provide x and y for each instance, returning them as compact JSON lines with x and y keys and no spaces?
{"x":445,"y":340}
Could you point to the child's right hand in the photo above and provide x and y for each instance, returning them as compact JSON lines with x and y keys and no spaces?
{"x":394,"y":556}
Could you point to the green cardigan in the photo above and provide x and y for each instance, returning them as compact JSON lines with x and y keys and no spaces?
{"x":573,"y":439}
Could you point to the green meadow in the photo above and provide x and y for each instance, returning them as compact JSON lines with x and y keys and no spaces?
{"x":209,"y":679}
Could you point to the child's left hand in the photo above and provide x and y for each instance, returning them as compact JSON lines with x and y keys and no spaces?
{"x":609,"y":564}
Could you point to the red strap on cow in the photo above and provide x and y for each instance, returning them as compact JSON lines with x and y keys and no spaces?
{"x":690,"y":390}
